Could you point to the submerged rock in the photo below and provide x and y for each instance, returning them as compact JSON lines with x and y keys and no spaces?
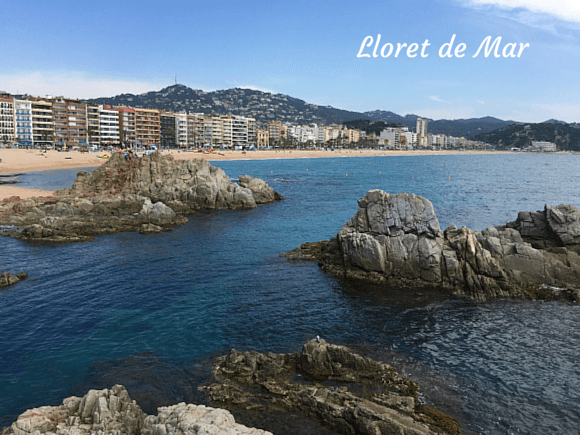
{"x":396,"y":240}
{"x":344,"y":391}
{"x":6,"y":278}
{"x":131,"y":195}
{"x":113,"y":412}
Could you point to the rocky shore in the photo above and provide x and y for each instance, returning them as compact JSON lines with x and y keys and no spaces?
{"x":148,"y":195}
{"x":113,"y":412}
{"x":396,"y":240}
{"x":345,"y":392}
{"x":341,"y":391}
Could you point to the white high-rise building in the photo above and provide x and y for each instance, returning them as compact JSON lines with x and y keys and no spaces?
{"x":109,"y":126}
{"x":421,"y":131}
{"x":23,"y":122}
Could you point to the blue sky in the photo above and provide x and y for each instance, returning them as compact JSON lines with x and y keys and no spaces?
{"x":306,"y":49}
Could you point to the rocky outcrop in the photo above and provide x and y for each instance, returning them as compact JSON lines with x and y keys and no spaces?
{"x":346,"y":392}
{"x":76,"y":219}
{"x":187,"y":419}
{"x":263,"y":194}
{"x":113,"y":412}
{"x":396,"y":240}
{"x":183,"y":185}
{"x":6,"y":278}
{"x":145,"y":195}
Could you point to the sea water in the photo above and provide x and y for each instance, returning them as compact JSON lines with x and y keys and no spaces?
{"x":151,"y":312}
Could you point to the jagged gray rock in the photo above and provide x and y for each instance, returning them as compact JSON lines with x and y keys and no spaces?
{"x":344,"y":391}
{"x":183,"y":185}
{"x":188,"y":419}
{"x":7,"y":278}
{"x":157,"y":213}
{"x":131,"y":195}
{"x":263,"y":194}
{"x":396,"y":239}
{"x":113,"y":412}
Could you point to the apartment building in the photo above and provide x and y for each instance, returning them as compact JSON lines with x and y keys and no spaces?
{"x":109,"y":126}
{"x":42,"y":128}
{"x":168,"y":130}
{"x":23,"y":122}
{"x":6,"y":118}
{"x":147,"y":126}
{"x":93,"y":125}
{"x":127,"y":134}
{"x":276,"y":131}
{"x":243,"y":131}
{"x":262,"y":138}
{"x":195,"y":129}
{"x":543,"y":146}
{"x":421,"y":131}
{"x":70,"y":121}
{"x":181,"y":130}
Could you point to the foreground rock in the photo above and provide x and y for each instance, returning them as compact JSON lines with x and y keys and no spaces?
{"x":6,"y":278}
{"x":145,"y":195}
{"x":396,"y":240}
{"x":344,"y":391}
{"x":183,"y":185}
{"x":113,"y":412}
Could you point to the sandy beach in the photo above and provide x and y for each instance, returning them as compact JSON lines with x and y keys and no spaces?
{"x":17,"y":161}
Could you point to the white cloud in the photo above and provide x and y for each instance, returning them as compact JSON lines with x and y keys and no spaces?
{"x":70,"y":84}
{"x":567,"y":10}
{"x":439,"y":100}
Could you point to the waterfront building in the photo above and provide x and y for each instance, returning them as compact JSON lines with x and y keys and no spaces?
{"x":7,"y":126}
{"x":70,"y":121}
{"x":274,"y":130}
{"x":168,"y":130}
{"x":439,"y":141}
{"x":243,"y":132}
{"x":421,"y":132}
{"x":23,"y":122}
{"x":109,"y":126}
{"x":262,"y":138}
{"x":181,"y":130}
{"x":195,"y":129}
{"x":126,"y":126}
{"x":543,"y":146}
{"x":93,"y":125}
{"x":147,"y":126}
{"x":42,"y":128}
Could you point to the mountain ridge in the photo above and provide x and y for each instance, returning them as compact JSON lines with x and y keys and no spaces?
{"x":268,"y":107}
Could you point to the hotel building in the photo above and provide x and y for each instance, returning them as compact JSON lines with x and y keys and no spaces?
{"x":23,"y":122}
{"x":6,"y":118}
{"x":147,"y":126}
{"x":42,"y":128}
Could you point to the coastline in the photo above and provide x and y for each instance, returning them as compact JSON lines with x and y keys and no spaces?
{"x":20,"y":161}
{"x":33,"y":160}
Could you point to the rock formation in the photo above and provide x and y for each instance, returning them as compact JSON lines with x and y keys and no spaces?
{"x":396,"y":240}
{"x":145,"y":195}
{"x":344,"y":391}
{"x":113,"y":412}
{"x":183,"y":185}
{"x":6,"y":278}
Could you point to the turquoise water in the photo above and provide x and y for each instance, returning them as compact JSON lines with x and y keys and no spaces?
{"x":151,"y":311}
